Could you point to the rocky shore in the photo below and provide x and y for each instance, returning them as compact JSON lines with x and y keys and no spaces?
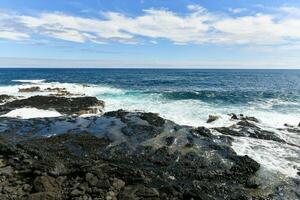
{"x":126,"y":155}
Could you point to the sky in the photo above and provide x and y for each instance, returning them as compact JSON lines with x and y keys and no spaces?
{"x":150,"y":33}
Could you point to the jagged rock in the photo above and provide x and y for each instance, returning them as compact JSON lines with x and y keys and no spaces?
{"x":242,"y":117}
{"x":201,"y":131}
{"x":78,"y":105}
{"x":234,"y":116}
{"x":212,"y":118}
{"x":170,"y":140}
{"x":248,"y":129}
{"x":31,"y":89}
{"x":46,"y":184}
{"x":127,"y":155}
{"x":5,"y":98}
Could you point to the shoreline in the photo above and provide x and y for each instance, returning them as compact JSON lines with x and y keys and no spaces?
{"x":138,"y":155}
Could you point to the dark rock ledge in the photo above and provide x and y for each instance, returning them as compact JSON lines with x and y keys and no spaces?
{"x":120,"y":155}
{"x":64,"y":105}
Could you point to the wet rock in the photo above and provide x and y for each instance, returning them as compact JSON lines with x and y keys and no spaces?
{"x":288,"y":125}
{"x":46,"y":184}
{"x":201,"y":131}
{"x":253,"y":119}
{"x":242,"y":117}
{"x":234,"y":116}
{"x":5,"y":98}
{"x":31,"y":89}
{"x":252,"y":183}
{"x":125,"y":155}
{"x":153,"y":119}
{"x":249,"y":129}
{"x":212,"y":118}
{"x":170,"y":140}
{"x":78,"y":105}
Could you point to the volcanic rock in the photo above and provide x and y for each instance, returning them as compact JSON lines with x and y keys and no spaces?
{"x":212,"y":118}
{"x":78,"y":105}
{"x":31,"y":89}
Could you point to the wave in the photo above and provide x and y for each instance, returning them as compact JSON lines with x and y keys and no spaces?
{"x":30,"y":81}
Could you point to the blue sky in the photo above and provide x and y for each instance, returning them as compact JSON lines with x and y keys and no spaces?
{"x":150,"y":33}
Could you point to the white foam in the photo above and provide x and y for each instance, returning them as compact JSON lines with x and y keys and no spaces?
{"x":30,"y":81}
{"x":28,"y":113}
{"x":272,"y":156}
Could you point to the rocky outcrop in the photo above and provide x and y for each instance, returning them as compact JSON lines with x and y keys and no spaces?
{"x":212,"y":118}
{"x":125,"y":155}
{"x":243,"y":118}
{"x":120,"y":155}
{"x":64,"y":105}
{"x":245,"y":128}
{"x":30,"y":89}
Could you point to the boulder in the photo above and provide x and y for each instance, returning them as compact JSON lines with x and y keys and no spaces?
{"x":212,"y":118}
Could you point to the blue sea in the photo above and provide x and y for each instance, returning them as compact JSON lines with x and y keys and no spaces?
{"x":188,"y":97}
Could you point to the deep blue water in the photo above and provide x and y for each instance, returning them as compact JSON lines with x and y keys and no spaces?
{"x":218,"y":86}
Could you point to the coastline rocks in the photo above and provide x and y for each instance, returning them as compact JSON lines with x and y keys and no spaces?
{"x":245,"y":128}
{"x":31,"y":89}
{"x":78,"y":105}
{"x":212,"y":118}
{"x":101,"y":160}
{"x":243,"y":118}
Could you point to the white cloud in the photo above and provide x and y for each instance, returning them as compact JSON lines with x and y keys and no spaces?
{"x":197,"y":26}
{"x":11,"y":35}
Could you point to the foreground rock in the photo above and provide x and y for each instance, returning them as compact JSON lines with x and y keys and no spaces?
{"x":125,"y":155}
{"x":120,"y":155}
{"x":64,"y":105}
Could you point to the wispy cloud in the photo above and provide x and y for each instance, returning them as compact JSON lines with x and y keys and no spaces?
{"x":197,"y":26}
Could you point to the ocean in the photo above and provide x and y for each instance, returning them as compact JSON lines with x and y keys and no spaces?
{"x":188,"y":97}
